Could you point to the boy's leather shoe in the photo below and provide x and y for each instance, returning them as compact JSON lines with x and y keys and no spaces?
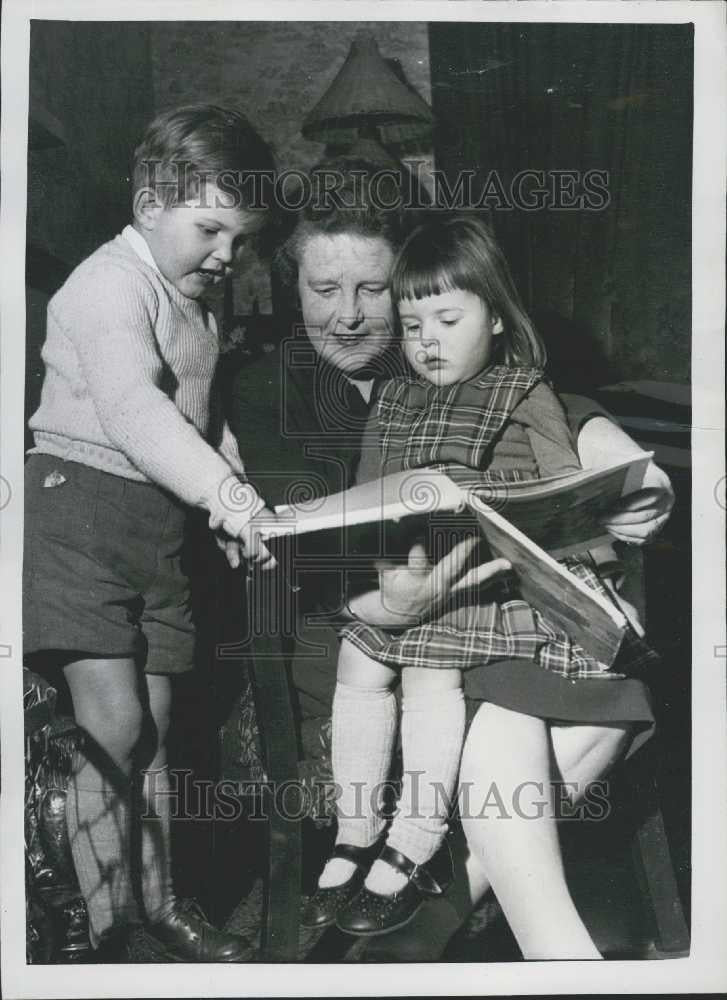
{"x":373,"y":913}
{"x":185,"y":935}
{"x":324,"y":904}
{"x":113,"y":949}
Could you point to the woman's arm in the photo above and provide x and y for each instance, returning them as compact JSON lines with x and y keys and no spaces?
{"x":409,"y":593}
{"x":636,"y":518}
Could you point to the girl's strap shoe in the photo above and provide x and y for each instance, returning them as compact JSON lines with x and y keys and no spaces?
{"x":324,"y":904}
{"x":371,"y":913}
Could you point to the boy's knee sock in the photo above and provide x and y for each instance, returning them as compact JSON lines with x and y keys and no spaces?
{"x":98,"y":822}
{"x":363,"y":733}
{"x":432,"y":732}
{"x":156,"y":860}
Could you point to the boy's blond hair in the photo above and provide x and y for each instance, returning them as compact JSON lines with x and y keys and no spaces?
{"x":187,"y":147}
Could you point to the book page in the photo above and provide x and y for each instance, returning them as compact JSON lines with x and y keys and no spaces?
{"x":564,"y":516}
{"x":559,"y":595}
{"x":402,"y":494}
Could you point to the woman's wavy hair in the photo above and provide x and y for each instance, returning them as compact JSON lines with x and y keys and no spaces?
{"x":353,"y":196}
{"x":460,"y":252}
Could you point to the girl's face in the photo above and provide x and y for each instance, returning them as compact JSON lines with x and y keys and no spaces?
{"x":343,"y":283}
{"x":448,"y":338}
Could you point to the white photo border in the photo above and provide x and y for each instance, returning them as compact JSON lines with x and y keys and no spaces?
{"x":705,"y":970}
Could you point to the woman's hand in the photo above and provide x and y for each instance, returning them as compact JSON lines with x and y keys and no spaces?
{"x":408,"y":594}
{"x":639,"y":517}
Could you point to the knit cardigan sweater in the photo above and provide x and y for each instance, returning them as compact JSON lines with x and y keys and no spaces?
{"x":129,"y":365}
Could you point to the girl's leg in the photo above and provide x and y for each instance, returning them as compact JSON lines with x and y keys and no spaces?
{"x":432,"y":732}
{"x":363,"y":732}
{"x":154,"y":800}
{"x":507,"y":761}
{"x":582,"y":754}
{"x":107,"y":707}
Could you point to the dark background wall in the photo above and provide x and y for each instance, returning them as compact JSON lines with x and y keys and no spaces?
{"x":93,"y":87}
{"x":90,"y":95}
{"x":276,"y":72}
{"x":611,"y":287}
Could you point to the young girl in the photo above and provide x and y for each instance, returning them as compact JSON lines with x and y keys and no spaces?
{"x":477,"y":379}
{"x":121,"y":453}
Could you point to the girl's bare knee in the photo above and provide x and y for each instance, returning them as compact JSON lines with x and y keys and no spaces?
{"x":357,"y":669}
{"x":423,"y":679}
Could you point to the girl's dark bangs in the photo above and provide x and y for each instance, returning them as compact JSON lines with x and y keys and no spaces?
{"x":433,"y":277}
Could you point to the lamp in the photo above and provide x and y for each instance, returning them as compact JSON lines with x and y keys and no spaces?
{"x":365,"y":97}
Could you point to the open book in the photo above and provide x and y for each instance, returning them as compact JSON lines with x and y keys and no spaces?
{"x":531,"y":524}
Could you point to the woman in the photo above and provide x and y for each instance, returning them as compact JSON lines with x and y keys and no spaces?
{"x":336,"y":265}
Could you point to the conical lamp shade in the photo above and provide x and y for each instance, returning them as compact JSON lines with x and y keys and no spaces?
{"x":371,"y":151}
{"x":365,"y":89}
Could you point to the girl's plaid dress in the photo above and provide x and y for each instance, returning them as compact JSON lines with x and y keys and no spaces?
{"x":454,"y":428}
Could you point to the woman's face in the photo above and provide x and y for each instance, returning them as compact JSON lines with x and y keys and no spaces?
{"x":343,"y":283}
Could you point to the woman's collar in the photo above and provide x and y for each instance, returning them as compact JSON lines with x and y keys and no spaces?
{"x":364,"y":386}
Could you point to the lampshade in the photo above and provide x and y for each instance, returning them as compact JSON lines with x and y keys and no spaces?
{"x":365,"y":90}
{"x":368,"y":149}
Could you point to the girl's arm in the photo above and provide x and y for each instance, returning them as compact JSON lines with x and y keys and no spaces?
{"x":546,"y":425}
{"x":548,"y":432}
{"x":579,"y":410}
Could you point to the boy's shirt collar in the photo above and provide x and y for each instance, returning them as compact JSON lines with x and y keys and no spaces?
{"x":140,"y":246}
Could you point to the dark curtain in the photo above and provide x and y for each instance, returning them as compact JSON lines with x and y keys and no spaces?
{"x":609,"y":285}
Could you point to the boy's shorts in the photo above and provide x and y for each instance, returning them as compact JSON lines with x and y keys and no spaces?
{"x":102,"y":573}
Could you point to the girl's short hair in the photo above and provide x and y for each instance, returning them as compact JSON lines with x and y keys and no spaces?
{"x":186,"y":146}
{"x":460,"y":253}
{"x":348,"y":195}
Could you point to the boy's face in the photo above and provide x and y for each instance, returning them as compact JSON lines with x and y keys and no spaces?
{"x":197,"y":243}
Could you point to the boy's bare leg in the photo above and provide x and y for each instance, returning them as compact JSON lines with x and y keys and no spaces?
{"x":155,"y":800}
{"x":98,"y":813}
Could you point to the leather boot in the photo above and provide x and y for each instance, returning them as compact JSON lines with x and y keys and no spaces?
{"x":184,"y":934}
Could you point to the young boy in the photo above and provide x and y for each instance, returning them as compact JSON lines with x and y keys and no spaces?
{"x":121,"y":453}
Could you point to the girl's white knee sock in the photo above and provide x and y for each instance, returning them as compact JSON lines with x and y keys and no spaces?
{"x":363,"y":733}
{"x":432,"y":733}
